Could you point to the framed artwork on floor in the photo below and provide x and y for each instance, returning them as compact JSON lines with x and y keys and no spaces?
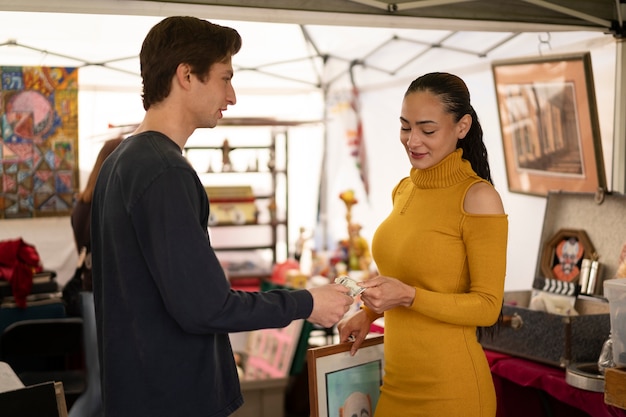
{"x":549,"y":123}
{"x":345,"y":385}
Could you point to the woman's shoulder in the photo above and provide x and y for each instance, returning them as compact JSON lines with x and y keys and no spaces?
{"x":482,"y":198}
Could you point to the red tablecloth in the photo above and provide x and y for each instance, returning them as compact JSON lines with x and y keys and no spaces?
{"x":526,"y":388}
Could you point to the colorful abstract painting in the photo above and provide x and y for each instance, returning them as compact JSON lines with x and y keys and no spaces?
{"x":39,"y":148}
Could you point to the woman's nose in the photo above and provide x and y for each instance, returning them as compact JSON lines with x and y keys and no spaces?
{"x":413,"y":139}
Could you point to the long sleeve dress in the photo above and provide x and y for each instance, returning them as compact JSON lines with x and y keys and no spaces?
{"x":434,"y":364}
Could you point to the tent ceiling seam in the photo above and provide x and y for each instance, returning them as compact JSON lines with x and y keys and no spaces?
{"x":412,"y":5}
{"x":84,"y":63}
{"x":569,"y":12}
{"x":420,"y":4}
{"x":308,"y":40}
{"x":501,"y":43}
{"x":373,"y":3}
{"x":283,"y":77}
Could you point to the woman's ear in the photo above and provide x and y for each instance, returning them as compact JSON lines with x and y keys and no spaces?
{"x":464,"y":126}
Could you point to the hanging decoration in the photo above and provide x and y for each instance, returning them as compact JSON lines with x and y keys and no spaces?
{"x":356,"y":140}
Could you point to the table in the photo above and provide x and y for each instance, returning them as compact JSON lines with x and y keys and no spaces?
{"x":527,"y":388}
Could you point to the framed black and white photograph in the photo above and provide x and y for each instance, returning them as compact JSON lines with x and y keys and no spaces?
{"x":549,"y":123}
{"x":345,"y":385}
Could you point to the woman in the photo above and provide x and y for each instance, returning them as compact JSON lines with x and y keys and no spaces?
{"x":441,"y":256}
{"x":81,"y":214}
{"x":81,"y":218}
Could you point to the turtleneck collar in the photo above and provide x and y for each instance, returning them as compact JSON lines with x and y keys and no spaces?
{"x":451,"y":170}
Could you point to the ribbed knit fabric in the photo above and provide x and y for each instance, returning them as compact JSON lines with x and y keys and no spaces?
{"x":434,"y":365}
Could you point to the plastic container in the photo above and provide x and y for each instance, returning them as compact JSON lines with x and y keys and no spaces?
{"x":615,"y":292}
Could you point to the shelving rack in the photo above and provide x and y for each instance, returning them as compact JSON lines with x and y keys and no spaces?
{"x":262,"y":164}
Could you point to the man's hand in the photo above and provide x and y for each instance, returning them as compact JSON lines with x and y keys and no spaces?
{"x":330,"y":303}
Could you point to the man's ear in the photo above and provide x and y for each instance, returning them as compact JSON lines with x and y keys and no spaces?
{"x":464,"y":126}
{"x":183,"y":75}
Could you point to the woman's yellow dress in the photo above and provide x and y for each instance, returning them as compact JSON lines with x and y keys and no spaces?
{"x":434,"y":365}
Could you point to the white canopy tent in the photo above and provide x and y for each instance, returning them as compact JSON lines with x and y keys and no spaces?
{"x":295,"y":63}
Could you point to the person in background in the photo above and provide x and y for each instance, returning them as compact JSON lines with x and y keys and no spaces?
{"x":81,"y":213}
{"x":81,"y":220}
{"x":164,"y":307}
{"x":441,"y":256}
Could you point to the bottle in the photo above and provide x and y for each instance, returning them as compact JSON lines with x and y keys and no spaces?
{"x":593,"y":276}
{"x":606,"y":356}
{"x":583,"y":279}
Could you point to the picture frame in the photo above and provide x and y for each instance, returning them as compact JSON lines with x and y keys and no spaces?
{"x":340,"y":380}
{"x":562,"y":255}
{"x":270,"y":353}
{"x":549,"y":124}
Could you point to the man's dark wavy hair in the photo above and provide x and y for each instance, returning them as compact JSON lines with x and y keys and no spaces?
{"x":182,"y":40}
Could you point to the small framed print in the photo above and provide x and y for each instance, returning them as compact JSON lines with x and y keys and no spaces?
{"x":563,"y":254}
{"x":345,"y":385}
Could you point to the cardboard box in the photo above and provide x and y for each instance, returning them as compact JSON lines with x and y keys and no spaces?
{"x":556,"y":339}
{"x":231,"y":205}
{"x":615,"y":387}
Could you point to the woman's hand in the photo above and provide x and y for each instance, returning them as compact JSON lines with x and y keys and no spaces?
{"x":384,"y":293}
{"x":354,"y":328}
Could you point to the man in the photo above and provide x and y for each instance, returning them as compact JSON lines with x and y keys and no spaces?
{"x":164,"y":307}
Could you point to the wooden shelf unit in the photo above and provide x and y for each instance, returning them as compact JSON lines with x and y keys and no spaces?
{"x":265,"y":169}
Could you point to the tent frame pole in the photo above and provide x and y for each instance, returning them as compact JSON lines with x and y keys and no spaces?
{"x":619,"y":121}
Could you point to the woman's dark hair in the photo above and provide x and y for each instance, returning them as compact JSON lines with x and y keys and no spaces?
{"x":106,"y":150}
{"x":182,"y":39}
{"x":455,"y":97}
{"x":453,"y":93}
